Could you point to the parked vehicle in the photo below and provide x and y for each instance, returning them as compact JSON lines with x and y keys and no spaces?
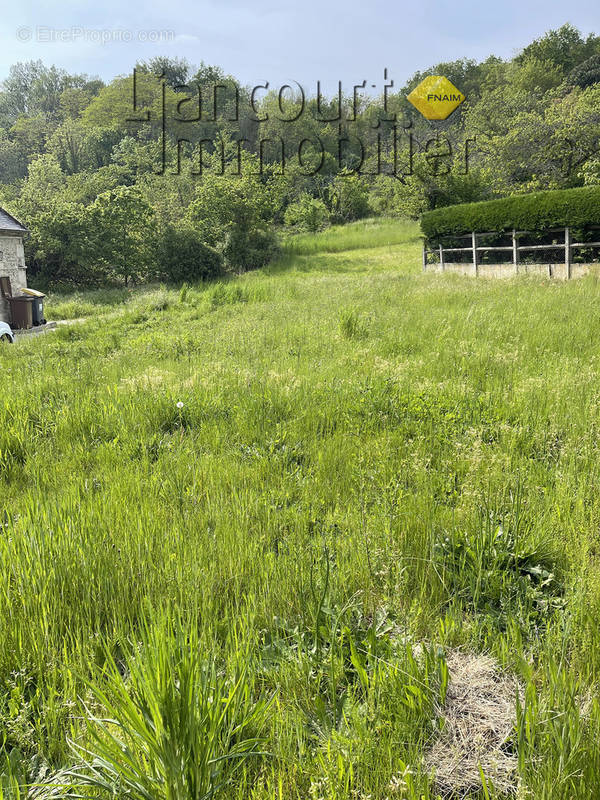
{"x":6,"y":335}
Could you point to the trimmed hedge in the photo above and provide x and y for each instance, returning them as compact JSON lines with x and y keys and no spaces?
{"x":538,"y":211}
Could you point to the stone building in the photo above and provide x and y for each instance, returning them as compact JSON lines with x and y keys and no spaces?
{"x":12,"y":258}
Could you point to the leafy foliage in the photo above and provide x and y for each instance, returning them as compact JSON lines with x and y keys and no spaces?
{"x":232,"y":214}
{"x":183,"y":256}
{"x":121,"y":222}
{"x":349,"y":198}
{"x":586,"y":74}
{"x":537,"y":211}
{"x":528,"y":124}
{"x":307,"y":214}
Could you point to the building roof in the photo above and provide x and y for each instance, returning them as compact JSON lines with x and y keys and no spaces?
{"x":10,"y":224}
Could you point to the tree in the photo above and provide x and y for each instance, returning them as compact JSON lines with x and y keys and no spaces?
{"x":13,"y":162}
{"x":74,"y":100}
{"x":586,"y":74}
{"x":349,"y":198}
{"x":45,"y":181}
{"x":465,"y":73}
{"x":535,"y":75}
{"x":113,"y":106}
{"x":233,"y":214}
{"x":122,"y":237}
{"x":59,"y":250}
{"x":30,"y":133}
{"x":78,"y":146}
{"x":564,"y":47}
{"x":208,"y":75}
{"x":32,"y":88}
{"x":176,"y":71}
{"x":530,"y":122}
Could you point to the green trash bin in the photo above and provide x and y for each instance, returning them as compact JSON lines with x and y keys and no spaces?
{"x":37,"y":308}
{"x":38,"y":304}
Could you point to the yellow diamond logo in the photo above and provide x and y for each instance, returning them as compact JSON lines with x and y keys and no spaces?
{"x":435,"y":97}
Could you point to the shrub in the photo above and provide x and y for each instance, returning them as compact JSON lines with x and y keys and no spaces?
{"x":183,"y":256}
{"x":529,"y":212}
{"x":349,"y":198}
{"x":120,"y":223}
{"x":307,"y":214}
{"x":390,"y":196}
{"x":246,"y":249}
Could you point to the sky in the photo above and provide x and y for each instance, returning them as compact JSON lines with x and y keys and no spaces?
{"x":279,"y":41}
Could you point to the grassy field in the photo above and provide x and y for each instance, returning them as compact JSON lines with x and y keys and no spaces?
{"x":254,"y":523}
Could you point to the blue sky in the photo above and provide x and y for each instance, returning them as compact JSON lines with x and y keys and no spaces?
{"x":280,"y":41}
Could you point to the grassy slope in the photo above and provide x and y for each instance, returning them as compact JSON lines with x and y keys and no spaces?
{"x":429,"y":442}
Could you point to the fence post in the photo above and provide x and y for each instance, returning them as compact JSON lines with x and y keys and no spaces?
{"x":475,"y":259}
{"x":568,"y":252}
{"x":441,"y":258}
{"x":424,"y":256}
{"x":515,"y":247}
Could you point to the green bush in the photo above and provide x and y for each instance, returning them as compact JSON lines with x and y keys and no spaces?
{"x":183,"y":256}
{"x":392,"y":197}
{"x":307,"y":214}
{"x":245,"y":249}
{"x":530,"y":212}
{"x":349,"y":198}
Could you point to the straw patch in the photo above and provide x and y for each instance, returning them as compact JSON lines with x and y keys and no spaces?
{"x":478,"y":721}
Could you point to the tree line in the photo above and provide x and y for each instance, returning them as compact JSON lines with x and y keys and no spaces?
{"x":109,"y":197}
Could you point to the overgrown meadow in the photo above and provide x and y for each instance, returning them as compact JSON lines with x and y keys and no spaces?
{"x":242,"y":525}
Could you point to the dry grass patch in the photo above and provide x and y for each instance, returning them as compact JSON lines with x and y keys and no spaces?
{"x":478,"y":723}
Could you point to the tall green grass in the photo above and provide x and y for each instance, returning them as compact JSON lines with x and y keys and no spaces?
{"x":324,"y":474}
{"x":358,"y":236}
{"x":178,"y":728}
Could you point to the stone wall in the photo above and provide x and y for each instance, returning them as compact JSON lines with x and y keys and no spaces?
{"x":12,"y":265}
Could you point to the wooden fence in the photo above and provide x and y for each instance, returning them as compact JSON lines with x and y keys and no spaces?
{"x":474,"y":250}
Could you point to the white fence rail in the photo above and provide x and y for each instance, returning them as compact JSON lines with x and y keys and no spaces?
{"x":474,"y":250}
